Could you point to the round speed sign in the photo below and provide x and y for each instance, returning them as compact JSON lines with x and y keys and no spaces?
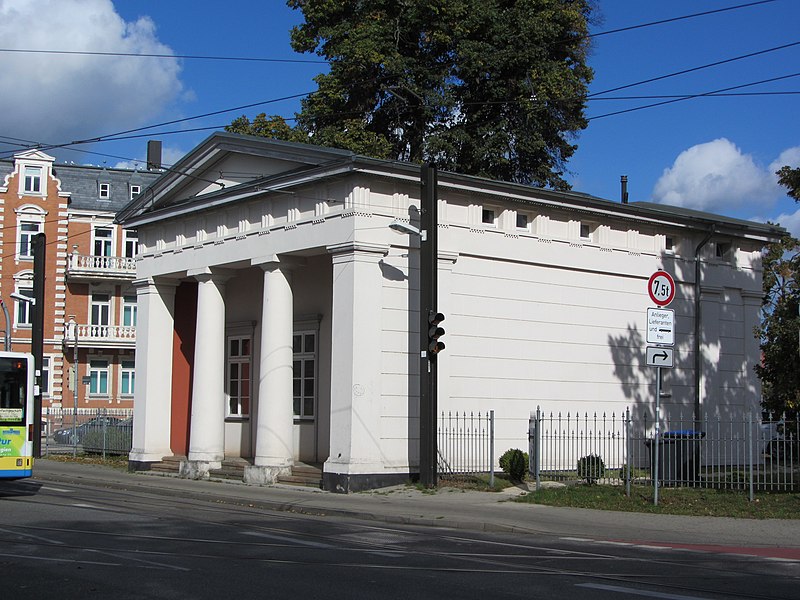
{"x":661,"y":288}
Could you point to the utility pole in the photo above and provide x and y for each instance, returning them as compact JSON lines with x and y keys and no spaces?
{"x":428,"y":400}
{"x":38,"y":245}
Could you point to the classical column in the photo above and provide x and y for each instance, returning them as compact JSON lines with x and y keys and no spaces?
{"x":155,"y":300}
{"x":274,"y":443}
{"x":207,"y":433}
{"x":356,"y":457}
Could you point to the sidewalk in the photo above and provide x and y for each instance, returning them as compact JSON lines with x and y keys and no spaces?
{"x":458,"y":509}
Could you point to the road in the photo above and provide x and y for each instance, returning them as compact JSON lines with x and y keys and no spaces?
{"x":82,"y":540}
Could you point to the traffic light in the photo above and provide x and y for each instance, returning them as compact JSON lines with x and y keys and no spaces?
{"x":434,"y":333}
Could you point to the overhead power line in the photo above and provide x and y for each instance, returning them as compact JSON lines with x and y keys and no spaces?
{"x":693,"y":69}
{"x":149,"y":55}
{"x":681,"y":18}
{"x":705,"y":94}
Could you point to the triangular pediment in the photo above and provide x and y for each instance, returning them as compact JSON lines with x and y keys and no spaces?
{"x":34,"y":154}
{"x":226,"y":163}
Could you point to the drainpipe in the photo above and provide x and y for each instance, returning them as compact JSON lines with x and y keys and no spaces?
{"x":697,"y":359}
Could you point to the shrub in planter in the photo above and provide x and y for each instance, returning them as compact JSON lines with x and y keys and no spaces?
{"x":591,"y":468}
{"x":515,"y":463}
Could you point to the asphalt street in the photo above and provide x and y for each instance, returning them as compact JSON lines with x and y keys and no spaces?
{"x":81,"y":531}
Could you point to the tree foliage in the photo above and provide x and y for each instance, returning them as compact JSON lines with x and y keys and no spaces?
{"x":779,"y":332}
{"x":493,"y":88}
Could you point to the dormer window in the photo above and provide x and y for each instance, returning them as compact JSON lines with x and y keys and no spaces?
{"x":105,"y":191}
{"x":135,"y":191}
{"x":32,"y":180}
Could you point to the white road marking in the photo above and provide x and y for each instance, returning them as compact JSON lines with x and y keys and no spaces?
{"x":636,"y":592}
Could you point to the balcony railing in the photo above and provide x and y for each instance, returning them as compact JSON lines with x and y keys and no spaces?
{"x":97,"y":336}
{"x":100,"y":267}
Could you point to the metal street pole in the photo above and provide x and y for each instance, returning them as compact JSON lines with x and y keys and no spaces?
{"x":38,"y":245}
{"x":428,"y":401}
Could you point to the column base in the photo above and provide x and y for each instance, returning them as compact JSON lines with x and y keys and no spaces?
{"x":198,"y":469}
{"x":346,"y":483}
{"x":264,"y":475}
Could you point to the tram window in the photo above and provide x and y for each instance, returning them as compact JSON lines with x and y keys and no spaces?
{"x":13,"y":379}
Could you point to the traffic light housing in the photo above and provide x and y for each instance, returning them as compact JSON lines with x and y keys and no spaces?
{"x":434,"y":333}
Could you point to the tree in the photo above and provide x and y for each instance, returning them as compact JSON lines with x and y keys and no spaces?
{"x":779,"y":332}
{"x":493,"y":88}
{"x":790,"y":178}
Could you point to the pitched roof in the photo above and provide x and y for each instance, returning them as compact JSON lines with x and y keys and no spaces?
{"x":316,"y":163}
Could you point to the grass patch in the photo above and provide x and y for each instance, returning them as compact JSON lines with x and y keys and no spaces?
{"x":671,"y":501}
{"x":478,"y":482}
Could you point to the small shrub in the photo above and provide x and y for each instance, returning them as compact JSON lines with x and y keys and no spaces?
{"x":515,"y":463}
{"x":591,"y":468}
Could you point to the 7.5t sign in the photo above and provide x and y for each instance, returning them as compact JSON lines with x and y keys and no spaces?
{"x":661,"y":288}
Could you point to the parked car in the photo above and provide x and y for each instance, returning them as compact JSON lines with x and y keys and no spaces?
{"x":68,"y":436}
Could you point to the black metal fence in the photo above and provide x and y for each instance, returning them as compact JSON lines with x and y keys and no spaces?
{"x":466,"y":444}
{"x":749,"y":453}
{"x":90,"y":431}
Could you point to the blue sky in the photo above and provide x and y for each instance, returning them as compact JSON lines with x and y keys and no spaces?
{"x":714,"y":153}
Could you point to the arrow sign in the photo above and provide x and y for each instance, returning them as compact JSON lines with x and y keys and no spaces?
{"x":659,"y":357}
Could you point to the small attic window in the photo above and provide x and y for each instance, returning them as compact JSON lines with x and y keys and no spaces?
{"x":135,"y":191}
{"x":586,"y":231}
{"x":105,"y":191}
{"x":723,"y":251}
{"x":488,"y":217}
{"x":522,"y":221}
{"x":669,"y":244}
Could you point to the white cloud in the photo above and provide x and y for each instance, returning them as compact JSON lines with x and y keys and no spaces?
{"x":717,"y":176}
{"x":788,"y":158}
{"x":790,"y":221}
{"x":52,"y":98}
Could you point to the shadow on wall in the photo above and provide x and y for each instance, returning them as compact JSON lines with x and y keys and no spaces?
{"x":728,"y":382}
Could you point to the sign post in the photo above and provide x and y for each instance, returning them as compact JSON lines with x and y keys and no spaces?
{"x":660,"y":330}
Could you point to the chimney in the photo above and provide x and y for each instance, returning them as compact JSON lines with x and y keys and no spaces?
{"x":153,"y":155}
{"x":623,"y":180}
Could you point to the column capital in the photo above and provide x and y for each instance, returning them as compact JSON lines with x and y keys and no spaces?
{"x":214,"y":274}
{"x":270,"y":262}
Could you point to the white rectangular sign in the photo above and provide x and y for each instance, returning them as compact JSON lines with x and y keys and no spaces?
{"x":659,"y":357}
{"x":661,"y":326}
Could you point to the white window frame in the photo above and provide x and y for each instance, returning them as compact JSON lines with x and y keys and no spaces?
{"x":237,"y":361}
{"x":129,"y":311}
{"x":522,"y":215}
{"x":107,"y":242}
{"x":585,"y":230}
{"x":103,"y":309}
{"x":36,"y":173}
{"x":300,"y":357}
{"x":95,"y":376}
{"x":33,"y":217}
{"x":23,"y":310}
{"x":46,"y":383}
{"x":489,"y":216}
{"x":131,"y":243}
{"x":127,"y":367}
{"x":104,"y":191}
{"x":135,"y":190}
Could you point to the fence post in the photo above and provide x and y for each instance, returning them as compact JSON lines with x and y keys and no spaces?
{"x":537,"y":448}
{"x":628,"y":451}
{"x":491,"y":448}
{"x":750,"y":451}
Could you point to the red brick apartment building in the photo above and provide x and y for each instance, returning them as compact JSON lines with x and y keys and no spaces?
{"x":90,"y":309}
